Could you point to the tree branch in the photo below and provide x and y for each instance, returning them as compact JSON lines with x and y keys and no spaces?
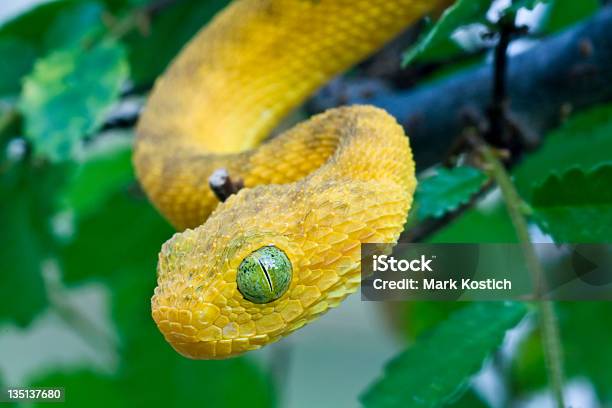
{"x":566,"y":72}
{"x":560,"y":74}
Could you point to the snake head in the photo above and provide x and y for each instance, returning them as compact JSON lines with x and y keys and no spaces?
{"x":223,"y":289}
{"x":264,"y":264}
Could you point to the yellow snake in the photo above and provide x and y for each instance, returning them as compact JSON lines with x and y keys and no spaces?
{"x":312,"y":195}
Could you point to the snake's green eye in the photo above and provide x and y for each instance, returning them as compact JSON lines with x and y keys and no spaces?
{"x":264,"y":275}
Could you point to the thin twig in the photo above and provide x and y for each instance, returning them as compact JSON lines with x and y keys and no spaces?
{"x":547,"y":318}
{"x":223,"y":185}
{"x":500,"y":98}
{"x":502,"y":129}
{"x":502,"y":133}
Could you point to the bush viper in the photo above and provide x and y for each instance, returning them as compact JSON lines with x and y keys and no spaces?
{"x":285,"y":248}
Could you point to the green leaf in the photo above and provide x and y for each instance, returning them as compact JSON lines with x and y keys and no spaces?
{"x":420,"y":317}
{"x":53,"y":24}
{"x":468,"y":400}
{"x":447,"y":190}
{"x":105,"y":169}
{"x":529,"y":4}
{"x":68,"y":96}
{"x":26,"y":206}
{"x":45,"y":27}
{"x":74,"y":26}
{"x":485,"y":223}
{"x":32,"y":25}
{"x":586,"y":343}
{"x":583,"y":141}
{"x":16,"y":60}
{"x":116,"y":6}
{"x":576,"y":206}
{"x":437,"y":43}
{"x":150,"y":53}
{"x":564,"y":13}
{"x":126,"y":233}
{"x":435,"y":370}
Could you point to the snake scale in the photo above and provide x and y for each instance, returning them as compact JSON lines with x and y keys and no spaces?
{"x":284,"y":249}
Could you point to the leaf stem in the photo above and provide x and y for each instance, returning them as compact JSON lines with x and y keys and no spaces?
{"x":547,"y":318}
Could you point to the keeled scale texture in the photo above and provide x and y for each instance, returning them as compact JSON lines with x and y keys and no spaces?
{"x":317,"y":192}
{"x":361,"y":194}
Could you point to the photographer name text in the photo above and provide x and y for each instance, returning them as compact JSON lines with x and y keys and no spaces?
{"x":385,"y":263}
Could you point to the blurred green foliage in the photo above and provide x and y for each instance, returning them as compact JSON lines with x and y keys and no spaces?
{"x":69,"y":94}
{"x":73,"y":201}
{"x":85,"y":22}
{"x":586,"y":349}
{"x":25,"y":209}
{"x":563,"y":13}
{"x":23,"y":57}
{"x":149,"y":54}
{"x":69,"y":201}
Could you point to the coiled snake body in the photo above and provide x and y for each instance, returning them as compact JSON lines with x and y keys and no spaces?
{"x":285,"y":248}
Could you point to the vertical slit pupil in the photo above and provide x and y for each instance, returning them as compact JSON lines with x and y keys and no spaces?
{"x":265,"y":271}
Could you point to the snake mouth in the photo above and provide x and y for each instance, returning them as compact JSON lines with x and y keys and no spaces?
{"x":203,"y":335}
